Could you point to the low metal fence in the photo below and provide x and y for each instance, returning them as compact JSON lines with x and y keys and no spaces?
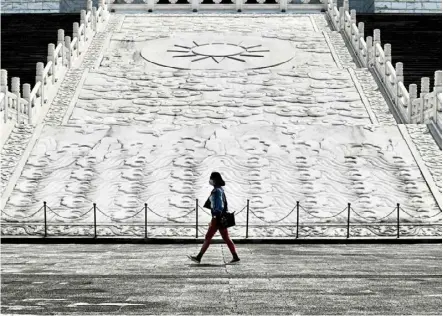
{"x":347,"y":224}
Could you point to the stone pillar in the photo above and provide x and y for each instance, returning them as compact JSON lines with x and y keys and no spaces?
{"x":15,"y":88}
{"x":195,"y":5}
{"x":51,"y":58}
{"x":346,"y":5}
{"x":353,"y":16}
{"x":4,"y":89}
{"x":60,"y":40}
{"x":84,"y":21}
{"x":283,"y":5}
{"x":399,"y":72}
{"x":239,"y":5}
{"x":342,"y":19}
{"x":370,"y":55}
{"x":39,"y":78}
{"x":438,"y":81}
{"x":94,"y":19}
{"x":76,"y":34}
{"x":424,"y":89}
{"x":89,"y":5}
{"x":377,"y":37}
{"x":151,"y":5}
{"x":412,"y":97}
{"x":27,"y":97}
{"x":68,"y":51}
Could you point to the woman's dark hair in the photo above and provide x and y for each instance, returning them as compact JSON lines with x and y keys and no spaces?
{"x":218,"y":180}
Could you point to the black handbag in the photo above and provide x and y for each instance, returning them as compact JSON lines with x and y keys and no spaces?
{"x":226,"y":219}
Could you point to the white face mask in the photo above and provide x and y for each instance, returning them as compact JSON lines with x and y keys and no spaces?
{"x":211,"y":182}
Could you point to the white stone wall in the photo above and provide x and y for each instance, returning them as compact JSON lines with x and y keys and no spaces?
{"x":30,"y":6}
{"x":407,"y":6}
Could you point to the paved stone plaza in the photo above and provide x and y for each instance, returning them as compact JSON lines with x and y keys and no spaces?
{"x":271,"y":279}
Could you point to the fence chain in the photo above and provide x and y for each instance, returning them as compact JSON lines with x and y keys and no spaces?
{"x":205,"y":211}
{"x":272,"y":222}
{"x":81,"y":215}
{"x":22,"y":217}
{"x":171,"y":218}
{"x":323,"y":216}
{"x":388,"y":214}
{"x":420,"y":216}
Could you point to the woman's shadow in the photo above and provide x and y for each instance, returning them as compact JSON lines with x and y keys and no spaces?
{"x":207,"y":265}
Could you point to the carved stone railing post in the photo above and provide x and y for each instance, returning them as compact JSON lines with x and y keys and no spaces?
{"x":353,"y":16}
{"x":377,"y":37}
{"x":89,"y":5}
{"x":51,"y":58}
{"x":75,"y":34}
{"x":151,"y":4}
{"x":60,"y":40}
{"x":15,"y":88}
{"x":346,"y":5}
{"x":39,"y":77}
{"x":195,"y":5}
{"x":437,"y":90}
{"x":412,"y":110}
{"x":68,"y":51}
{"x":27,"y":97}
{"x":424,"y":90}
{"x":94,"y":19}
{"x":370,"y":57}
{"x":239,"y":5}
{"x":387,"y":51}
{"x":283,"y":5}
{"x":4,"y":89}
{"x":342,"y":19}
{"x":399,"y":78}
{"x":85,"y":25}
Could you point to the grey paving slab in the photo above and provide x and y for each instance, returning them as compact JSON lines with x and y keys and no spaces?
{"x":126,"y":279}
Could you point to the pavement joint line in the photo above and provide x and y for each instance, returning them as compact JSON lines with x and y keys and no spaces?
{"x":314,"y":24}
{"x":74,"y":98}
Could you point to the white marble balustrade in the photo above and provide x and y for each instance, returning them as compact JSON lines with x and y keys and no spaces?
{"x":423,"y":108}
{"x":26,"y":108}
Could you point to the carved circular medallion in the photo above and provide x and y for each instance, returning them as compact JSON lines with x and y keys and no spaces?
{"x":209,"y":51}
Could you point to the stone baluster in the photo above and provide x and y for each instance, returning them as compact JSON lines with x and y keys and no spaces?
{"x":239,"y":5}
{"x":342,"y":19}
{"x":361,"y":30}
{"x":51,"y":58}
{"x":102,"y":3}
{"x":85,"y":25}
{"x":151,"y":4}
{"x":60,"y":40}
{"x":89,"y":5}
{"x":437,"y":88}
{"x":75,"y":34}
{"x":387,"y":51}
{"x":15,"y":88}
{"x":424,"y":90}
{"x":27,"y":97}
{"x":346,"y":5}
{"x":370,"y":55}
{"x":195,"y":5}
{"x":353,"y":16}
{"x":283,"y":5}
{"x":377,"y":37}
{"x":39,"y":77}
{"x":4,"y":89}
{"x":68,"y":51}
{"x":94,"y":19}
{"x":399,"y":78}
{"x":412,"y":110}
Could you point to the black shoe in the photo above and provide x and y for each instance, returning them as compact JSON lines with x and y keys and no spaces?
{"x":234,"y":260}
{"x":195,"y":258}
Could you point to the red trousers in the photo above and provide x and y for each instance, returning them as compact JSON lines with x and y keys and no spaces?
{"x":211,"y":232}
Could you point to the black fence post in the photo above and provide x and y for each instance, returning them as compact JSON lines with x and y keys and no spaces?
{"x":398,"y":220}
{"x":298,"y":214}
{"x":46,"y":226}
{"x":196,"y":218}
{"x":146,"y":220}
{"x":247,"y":218}
{"x":349,"y":218}
{"x":95,"y":220}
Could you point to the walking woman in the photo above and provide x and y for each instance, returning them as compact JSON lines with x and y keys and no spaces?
{"x":218,"y":204}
